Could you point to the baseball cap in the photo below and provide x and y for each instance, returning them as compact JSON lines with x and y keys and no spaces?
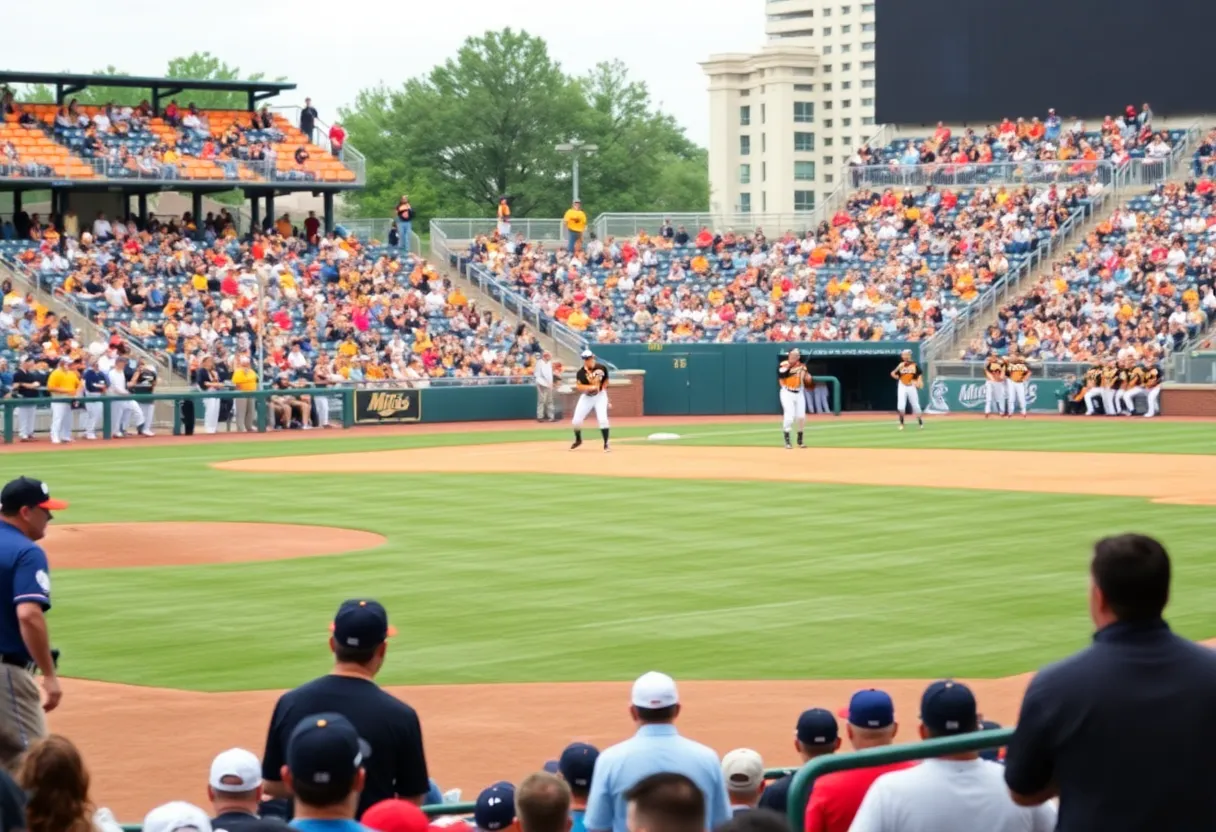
{"x":654,"y":690}
{"x":361,"y":623}
{"x":175,"y":816}
{"x":577,"y":764}
{"x":495,"y":807}
{"x":817,"y":726}
{"x":27,"y":492}
{"x":235,"y":770}
{"x":948,"y":707}
{"x":996,"y":755}
{"x":869,"y":709}
{"x":586,"y":353}
{"x":325,"y":749}
{"x":395,"y":815}
{"x":742,"y":769}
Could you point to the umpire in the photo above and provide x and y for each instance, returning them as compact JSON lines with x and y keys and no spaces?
{"x":25,"y":644}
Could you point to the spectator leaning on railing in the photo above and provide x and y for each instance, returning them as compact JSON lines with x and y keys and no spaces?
{"x":815,"y":735}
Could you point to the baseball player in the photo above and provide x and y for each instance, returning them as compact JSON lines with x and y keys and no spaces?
{"x":323,"y":375}
{"x":792,"y":379}
{"x":1133,"y":379}
{"x":1152,"y":389}
{"x":144,"y":381}
{"x":909,"y":381}
{"x":1093,"y":387}
{"x":591,"y":381}
{"x":123,"y":414}
{"x":994,"y":386}
{"x":26,"y":388}
{"x":1110,"y":388}
{"x":96,"y":383}
{"x":1017,"y":372}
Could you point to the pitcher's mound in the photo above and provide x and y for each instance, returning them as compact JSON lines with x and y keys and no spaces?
{"x":110,"y":545}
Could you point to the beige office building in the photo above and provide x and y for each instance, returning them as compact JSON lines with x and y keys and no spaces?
{"x":785,"y":120}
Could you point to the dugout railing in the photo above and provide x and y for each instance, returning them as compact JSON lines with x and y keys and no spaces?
{"x":805,"y":777}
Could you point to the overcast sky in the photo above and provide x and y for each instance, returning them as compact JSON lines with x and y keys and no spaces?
{"x":332,"y":57}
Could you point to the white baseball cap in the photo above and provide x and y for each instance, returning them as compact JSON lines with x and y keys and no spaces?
{"x":177,"y":816}
{"x":235,"y":770}
{"x":654,"y":690}
{"x":743,"y":770}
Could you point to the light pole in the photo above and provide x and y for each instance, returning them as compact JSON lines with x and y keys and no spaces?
{"x":576,"y":148}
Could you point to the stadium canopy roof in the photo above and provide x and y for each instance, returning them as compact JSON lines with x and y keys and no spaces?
{"x":67,"y":83}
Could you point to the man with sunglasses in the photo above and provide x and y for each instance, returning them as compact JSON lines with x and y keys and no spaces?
{"x":25,"y":643}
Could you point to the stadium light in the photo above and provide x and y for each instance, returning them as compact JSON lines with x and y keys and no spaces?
{"x":576,"y":148}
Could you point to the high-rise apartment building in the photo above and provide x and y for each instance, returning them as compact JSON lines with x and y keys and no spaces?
{"x":786,"y":119}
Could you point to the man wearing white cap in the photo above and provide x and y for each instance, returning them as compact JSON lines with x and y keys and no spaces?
{"x":177,"y":816}
{"x":743,"y":771}
{"x":235,"y":790}
{"x":656,"y":747}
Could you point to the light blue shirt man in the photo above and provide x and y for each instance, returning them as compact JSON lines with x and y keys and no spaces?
{"x":656,"y":747}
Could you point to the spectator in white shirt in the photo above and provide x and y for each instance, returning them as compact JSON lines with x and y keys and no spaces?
{"x":102,"y":122}
{"x":102,"y":230}
{"x":543,"y":374}
{"x":955,"y":793}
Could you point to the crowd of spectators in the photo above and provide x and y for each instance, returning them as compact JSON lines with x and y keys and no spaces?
{"x":888,"y":265}
{"x":344,"y":755}
{"x":1139,"y":286}
{"x":1047,"y":140}
{"x":335,"y":311}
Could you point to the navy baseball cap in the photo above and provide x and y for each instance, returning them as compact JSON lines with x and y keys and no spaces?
{"x":577,"y":764}
{"x":948,"y":707}
{"x":817,"y":726}
{"x":325,"y":749}
{"x":27,"y":492}
{"x":870,"y":709}
{"x":361,"y":623}
{"x":495,"y":807}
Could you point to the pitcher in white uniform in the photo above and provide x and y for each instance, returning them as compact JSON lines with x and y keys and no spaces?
{"x":591,"y":381}
{"x":792,"y":379}
{"x":994,"y":385}
{"x":908,"y":383}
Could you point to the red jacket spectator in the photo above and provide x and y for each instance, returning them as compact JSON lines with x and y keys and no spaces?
{"x":337,"y":138}
{"x":229,"y":286}
{"x":704,"y":239}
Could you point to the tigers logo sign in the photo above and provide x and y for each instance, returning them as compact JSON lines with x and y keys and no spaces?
{"x":388,"y":406}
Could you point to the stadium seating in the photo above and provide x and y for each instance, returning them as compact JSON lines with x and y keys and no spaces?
{"x":126,"y":145}
{"x":342,"y":298}
{"x":1128,"y":137}
{"x":887,"y":266}
{"x":1141,"y":283}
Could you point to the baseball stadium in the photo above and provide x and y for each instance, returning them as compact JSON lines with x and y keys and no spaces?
{"x":864,"y":444}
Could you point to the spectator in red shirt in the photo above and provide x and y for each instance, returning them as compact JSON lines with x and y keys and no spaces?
{"x":836,"y":797}
{"x":704,"y":238}
{"x":312,"y":228}
{"x":337,"y":139}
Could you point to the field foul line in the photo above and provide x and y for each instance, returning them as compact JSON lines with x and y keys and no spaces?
{"x":775,"y":429}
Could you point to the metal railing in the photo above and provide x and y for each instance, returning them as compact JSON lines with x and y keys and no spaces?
{"x":628,"y":225}
{"x":975,"y":175}
{"x":376,"y":230}
{"x":1039,"y":369}
{"x":471,"y":228}
{"x":952,"y":332}
{"x":350,"y":157}
{"x":1192,"y":367}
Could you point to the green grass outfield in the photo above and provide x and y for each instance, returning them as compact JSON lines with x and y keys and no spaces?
{"x":496,"y":578}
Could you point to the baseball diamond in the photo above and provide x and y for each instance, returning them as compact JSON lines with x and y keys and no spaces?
{"x":896,"y":575}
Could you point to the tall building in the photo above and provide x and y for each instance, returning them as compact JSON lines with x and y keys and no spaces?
{"x":786,"y":119}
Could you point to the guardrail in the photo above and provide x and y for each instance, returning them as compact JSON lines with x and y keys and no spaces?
{"x":977,"y":175}
{"x":804,"y":780}
{"x":1038,"y":369}
{"x":369,"y":230}
{"x":628,"y":225}
{"x":468,"y":228}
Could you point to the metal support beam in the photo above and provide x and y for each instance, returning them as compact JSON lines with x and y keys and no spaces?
{"x":270,"y":208}
{"x":142,"y":208}
{"x":255,"y":211}
{"x":196,"y":208}
{"x":327,"y":199}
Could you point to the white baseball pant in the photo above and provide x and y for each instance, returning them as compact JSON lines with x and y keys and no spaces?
{"x":211,"y":415}
{"x":793,"y":409}
{"x":146,"y":411}
{"x":322,"y":403}
{"x":822,"y":404}
{"x":1092,"y":395}
{"x":587,"y":403}
{"x":1015,"y":392}
{"x":61,"y":421}
{"x":1153,"y":398}
{"x":94,"y":413}
{"x":1110,"y":401}
{"x":1128,"y":398}
{"x":26,"y":419}
{"x":124,"y":416}
{"x":994,"y":397}
{"x":907,"y":394}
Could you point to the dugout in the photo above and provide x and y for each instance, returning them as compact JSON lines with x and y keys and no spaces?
{"x":737,"y":379}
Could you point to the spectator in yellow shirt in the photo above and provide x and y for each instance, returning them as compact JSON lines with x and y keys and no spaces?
{"x":245,"y":379}
{"x":576,"y":223}
{"x":457,"y":298}
{"x":578,"y":320}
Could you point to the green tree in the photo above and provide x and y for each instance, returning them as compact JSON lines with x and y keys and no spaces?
{"x":484,"y":124}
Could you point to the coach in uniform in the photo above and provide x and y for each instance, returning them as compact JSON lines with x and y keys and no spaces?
{"x":397,"y":764}
{"x":792,"y":378}
{"x":591,"y":381}
{"x":1093,"y":388}
{"x":25,"y":644}
{"x":994,"y":384}
{"x":909,"y":381}
{"x":26,"y":387}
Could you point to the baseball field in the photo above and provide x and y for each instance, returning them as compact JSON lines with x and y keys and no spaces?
{"x":193,"y":580}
